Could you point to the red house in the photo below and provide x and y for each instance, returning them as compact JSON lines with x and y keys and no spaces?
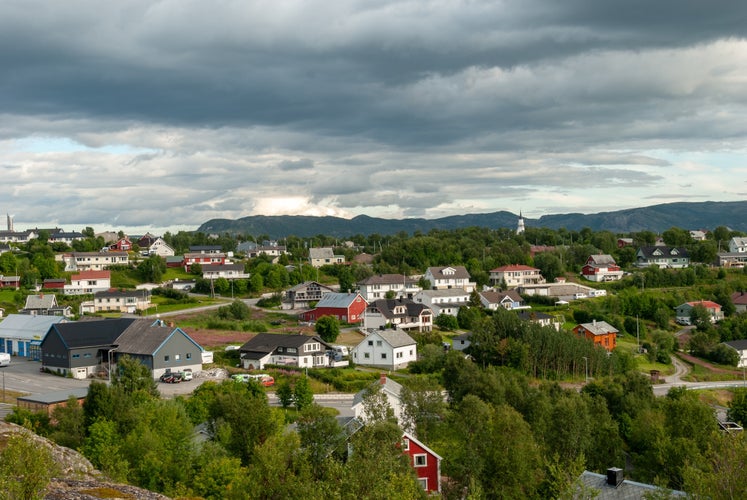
{"x":203,"y":259}
{"x":10,"y":281}
{"x":54,"y":283}
{"x":599,"y":332}
{"x":425,"y":462}
{"x":346,"y":307}
{"x":601,"y":268}
{"x":121,"y":245}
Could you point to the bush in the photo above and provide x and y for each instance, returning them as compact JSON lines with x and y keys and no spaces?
{"x":274,"y":301}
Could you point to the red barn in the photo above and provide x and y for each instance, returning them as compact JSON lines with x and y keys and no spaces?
{"x":54,"y":283}
{"x":346,"y":307}
{"x":425,"y":462}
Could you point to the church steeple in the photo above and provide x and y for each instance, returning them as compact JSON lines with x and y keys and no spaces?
{"x":520,"y":225}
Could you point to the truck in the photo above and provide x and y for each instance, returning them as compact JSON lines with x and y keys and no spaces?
{"x":4,"y":359}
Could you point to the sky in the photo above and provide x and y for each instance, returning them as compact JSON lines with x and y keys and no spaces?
{"x":162,"y":115}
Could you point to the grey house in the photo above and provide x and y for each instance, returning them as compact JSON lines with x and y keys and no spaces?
{"x":88,"y":348}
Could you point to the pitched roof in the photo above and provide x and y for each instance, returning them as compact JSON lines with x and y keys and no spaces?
{"x":459,"y":272}
{"x":708,"y":304}
{"x":387,"y":279}
{"x":307,"y":284}
{"x":599,"y":327}
{"x":386,"y":307}
{"x":41,"y":301}
{"x":56,"y":396}
{"x":652,"y":252}
{"x":268,"y":342}
{"x":739,"y":345}
{"x":602,"y":260}
{"x":120,"y":293}
{"x":335,"y":299}
{"x":739,"y":298}
{"x":627,"y":490}
{"x":145,"y":336}
{"x":321,"y":253}
{"x":388,"y":385}
{"x":92,"y":333}
{"x":27,"y":326}
{"x":222,"y":267}
{"x":532,"y":315}
{"x":89,"y":275}
{"x":493,"y":297}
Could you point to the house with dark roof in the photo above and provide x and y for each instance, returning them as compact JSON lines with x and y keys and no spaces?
{"x":387,"y":349}
{"x":540,"y":318}
{"x":613,"y":486}
{"x":346,"y":307}
{"x":662,"y":256}
{"x":302,"y":295}
{"x":48,"y":401}
{"x":86,"y":348}
{"x":379,"y":285}
{"x":45,"y":305}
{"x":495,"y":299}
{"x":405,"y":314}
{"x":741,"y":347}
{"x":447,"y":301}
{"x":282,"y":349}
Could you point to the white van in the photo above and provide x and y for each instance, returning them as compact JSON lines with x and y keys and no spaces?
{"x":341,"y":349}
{"x":4,"y":359}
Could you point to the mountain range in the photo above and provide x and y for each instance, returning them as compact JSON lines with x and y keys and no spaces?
{"x":705,"y":215}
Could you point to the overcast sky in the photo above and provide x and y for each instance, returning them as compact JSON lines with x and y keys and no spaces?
{"x":165,"y":114}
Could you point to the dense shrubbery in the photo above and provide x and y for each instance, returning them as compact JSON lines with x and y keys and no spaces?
{"x":344,"y":380}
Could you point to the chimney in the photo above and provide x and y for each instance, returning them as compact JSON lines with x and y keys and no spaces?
{"x":594,"y":322}
{"x":614,"y":476}
{"x":382,"y":379}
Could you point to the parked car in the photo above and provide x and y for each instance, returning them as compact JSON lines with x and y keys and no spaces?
{"x":260,"y":378}
{"x":171,"y":377}
{"x":187,"y":374}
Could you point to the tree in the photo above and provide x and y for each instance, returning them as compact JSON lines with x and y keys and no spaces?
{"x":549,"y":265}
{"x":320,"y":433}
{"x":284,"y":393}
{"x":26,"y":467}
{"x":68,"y":430}
{"x":132,"y":376}
{"x":446,"y":322}
{"x":152,"y":269}
{"x":328,"y":328}
{"x":738,"y":407}
{"x":302,"y":394}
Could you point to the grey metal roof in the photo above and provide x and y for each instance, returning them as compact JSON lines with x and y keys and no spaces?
{"x":121,"y":293}
{"x":674,"y":252}
{"x":145,"y":336}
{"x":493,"y":297}
{"x":27,"y":326}
{"x":41,"y":301}
{"x":739,"y":345}
{"x":460,"y":272}
{"x":92,"y":333}
{"x":335,"y":299}
{"x":602,"y":259}
{"x":389,"y":385}
{"x":321,"y":253}
{"x":599,"y":327}
{"x":387,"y":306}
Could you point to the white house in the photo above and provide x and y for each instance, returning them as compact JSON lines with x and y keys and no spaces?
{"x":124,"y":301}
{"x":391,"y":391}
{"x":88,"y":282}
{"x":741,"y":347}
{"x":494,"y":300}
{"x":738,"y":245}
{"x":387,"y":349}
{"x":516,"y":275}
{"x":378,"y":286}
{"x":227,"y":271}
{"x":443,"y":301}
{"x":319,"y":257}
{"x":449,"y":277}
{"x":92,"y":261}
{"x":161,"y":248}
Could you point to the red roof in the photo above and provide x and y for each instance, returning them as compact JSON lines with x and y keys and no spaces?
{"x":708,"y":304}
{"x":513,"y":267}
{"x":87,"y":275}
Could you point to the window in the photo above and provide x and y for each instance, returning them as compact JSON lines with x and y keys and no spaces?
{"x":378,"y":343}
{"x":366,"y":355}
{"x":189,"y":355}
{"x":166,"y":358}
{"x":399,"y":355}
{"x":75,"y":356}
{"x":177,"y":357}
{"x":370,"y":342}
{"x":423,"y":483}
{"x":405,"y":444}
{"x":383,"y":355}
{"x":87,"y":355}
{"x":420,"y":460}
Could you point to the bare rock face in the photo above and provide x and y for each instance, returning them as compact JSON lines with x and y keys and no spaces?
{"x":79,"y":479}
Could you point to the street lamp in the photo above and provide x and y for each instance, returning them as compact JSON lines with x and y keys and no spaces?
{"x":110,"y":364}
{"x":586,"y":365}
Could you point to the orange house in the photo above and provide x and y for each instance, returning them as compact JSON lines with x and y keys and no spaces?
{"x":600,"y":332}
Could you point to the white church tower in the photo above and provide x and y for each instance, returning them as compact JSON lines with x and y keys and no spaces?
{"x":10,"y":222}
{"x":520,"y":225}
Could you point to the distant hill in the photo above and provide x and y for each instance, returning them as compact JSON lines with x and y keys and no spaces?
{"x":657,"y":218}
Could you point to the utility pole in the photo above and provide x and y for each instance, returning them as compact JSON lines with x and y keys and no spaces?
{"x":586,"y":368}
